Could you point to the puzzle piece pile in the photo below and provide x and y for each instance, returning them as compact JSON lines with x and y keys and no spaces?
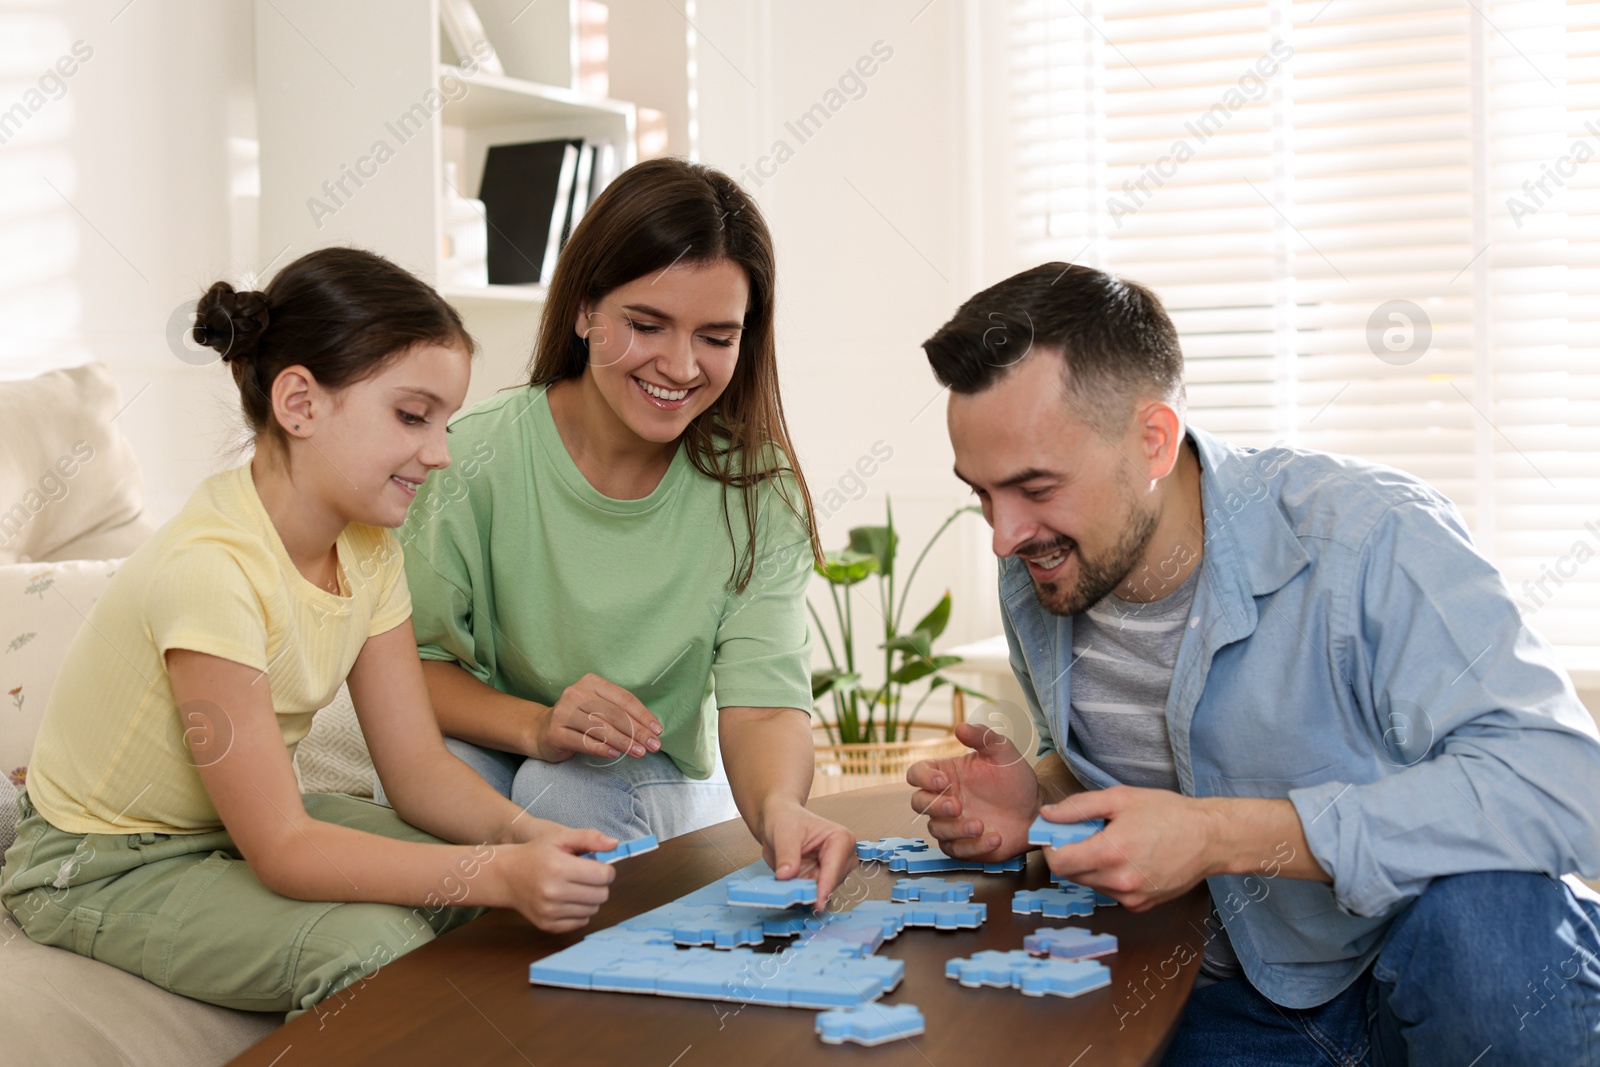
{"x":700,"y":946}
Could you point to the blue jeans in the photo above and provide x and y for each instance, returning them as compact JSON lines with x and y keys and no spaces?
{"x":1483,"y":970}
{"x":626,"y":798}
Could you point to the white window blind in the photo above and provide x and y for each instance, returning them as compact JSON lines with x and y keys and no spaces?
{"x":1283,"y":173}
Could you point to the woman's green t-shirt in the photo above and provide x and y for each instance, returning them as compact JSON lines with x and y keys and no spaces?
{"x":529,"y":578}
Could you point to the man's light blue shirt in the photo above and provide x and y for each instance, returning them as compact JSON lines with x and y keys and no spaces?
{"x":1348,"y":650}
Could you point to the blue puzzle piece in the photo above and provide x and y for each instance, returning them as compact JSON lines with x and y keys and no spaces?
{"x":946,"y":916}
{"x":1055,"y":834}
{"x":820,"y":991}
{"x":870,"y":1024}
{"x":932,"y":860}
{"x":641,"y":974}
{"x":1053,"y":903}
{"x":1069,"y":943}
{"x":989,"y":967}
{"x":870,"y":977}
{"x":819,"y":978}
{"x":931,"y":889}
{"x":1100,"y":899}
{"x":574,"y":967}
{"x":768,"y":892}
{"x":888,"y":914}
{"x":1065,"y":978}
{"x":702,"y":924}
{"x":859,"y":938}
{"x":637,"y":847}
{"x":885,"y":847}
{"x":1033,"y":977}
{"x":784,"y":924}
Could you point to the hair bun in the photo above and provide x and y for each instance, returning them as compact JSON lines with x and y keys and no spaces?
{"x":231,"y":322}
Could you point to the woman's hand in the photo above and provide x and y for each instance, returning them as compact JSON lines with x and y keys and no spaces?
{"x":796,"y":842}
{"x":597,"y":718}
{"x":549,"y":882}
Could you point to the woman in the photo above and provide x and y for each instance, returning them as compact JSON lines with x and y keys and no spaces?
{"x":621,"y":582}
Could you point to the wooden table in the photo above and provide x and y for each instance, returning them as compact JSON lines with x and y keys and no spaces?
{"x":464,"y":999}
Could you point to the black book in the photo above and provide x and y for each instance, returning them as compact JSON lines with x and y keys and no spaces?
{"x":526,"y":193}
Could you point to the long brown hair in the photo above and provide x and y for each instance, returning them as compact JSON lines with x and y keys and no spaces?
{"x":656,"y":214}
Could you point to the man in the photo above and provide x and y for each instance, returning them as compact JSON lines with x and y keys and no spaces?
{"x":1283,"y":672}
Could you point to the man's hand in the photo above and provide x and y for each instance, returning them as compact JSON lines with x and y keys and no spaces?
{"x":1156,"y":844}
{"x":597,"y":718}
{"x":796,"y":842}
{"x":979,"y":805}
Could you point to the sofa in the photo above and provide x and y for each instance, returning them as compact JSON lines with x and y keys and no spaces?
{"x":71,"y":507}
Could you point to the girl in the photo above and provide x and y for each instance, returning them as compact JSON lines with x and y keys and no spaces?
{"x":621,"y":586}
{"x":163,"y":830}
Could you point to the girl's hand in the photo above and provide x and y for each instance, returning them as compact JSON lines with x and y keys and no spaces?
{"x":597,"y":718}
{"x":796,"y":842}
{"x":549,"y":882}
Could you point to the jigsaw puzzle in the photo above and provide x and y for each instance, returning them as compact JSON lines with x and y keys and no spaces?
{"x":931,"y":889}
{"x":767,"y":892}
{"x":1057,"y":903}
{"x":1033,"y":976}
{"x":1069,"y":943}
{"x":831,"y":965}
{"x":637,"y":847}
{"x":1055,"y":834}
{"x":870,"y":1024}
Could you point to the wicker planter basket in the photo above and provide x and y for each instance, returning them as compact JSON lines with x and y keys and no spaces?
{"x":844,"y":767}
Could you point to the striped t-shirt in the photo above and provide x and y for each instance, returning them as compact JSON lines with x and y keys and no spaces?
{"x":1123,"y":655}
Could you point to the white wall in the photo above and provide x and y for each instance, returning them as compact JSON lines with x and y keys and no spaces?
{"x":876,"y":249}
{"x":153,"y":145}
{"x":122,"y":199}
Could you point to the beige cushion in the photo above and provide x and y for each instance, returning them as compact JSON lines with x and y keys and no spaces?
{"x":42,"y":607}
{"x":10,"y":812}
{"x":70,"y":486}
{"x":57,"y":1007}
{"x":333,"y":757}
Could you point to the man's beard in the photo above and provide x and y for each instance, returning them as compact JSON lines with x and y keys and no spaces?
{"x":1096,"y":577}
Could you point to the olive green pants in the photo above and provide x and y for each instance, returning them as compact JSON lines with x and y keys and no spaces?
{"x":186,"y":912}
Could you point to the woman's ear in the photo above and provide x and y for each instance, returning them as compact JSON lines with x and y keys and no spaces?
{"x":590,"y":326}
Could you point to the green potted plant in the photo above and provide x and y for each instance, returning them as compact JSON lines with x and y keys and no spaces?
{"x":869,"y":731}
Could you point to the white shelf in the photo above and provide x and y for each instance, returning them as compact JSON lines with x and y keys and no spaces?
{"x":491,"y":100}
{"x":355,"y":155}
{"x":522,"y":295}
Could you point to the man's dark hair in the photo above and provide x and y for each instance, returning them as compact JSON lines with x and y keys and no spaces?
{"x":1114,"y":337}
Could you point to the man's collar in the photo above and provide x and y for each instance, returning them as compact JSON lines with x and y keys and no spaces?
{"x":1246,"y":532}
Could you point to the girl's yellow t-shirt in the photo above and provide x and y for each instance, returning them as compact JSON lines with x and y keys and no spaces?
{"x":111,"y":755}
